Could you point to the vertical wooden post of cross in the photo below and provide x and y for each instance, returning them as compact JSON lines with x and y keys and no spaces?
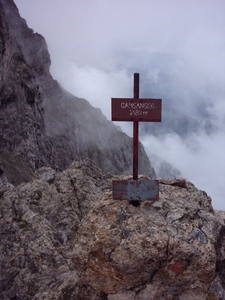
{"x":135,"y":130}
{"x":136,"y":110}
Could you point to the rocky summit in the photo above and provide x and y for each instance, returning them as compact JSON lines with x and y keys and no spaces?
{"x":64,"y":237}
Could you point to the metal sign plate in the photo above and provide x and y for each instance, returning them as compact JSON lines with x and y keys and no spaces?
{"x":131,"y":109}
{"x":136,"y":190}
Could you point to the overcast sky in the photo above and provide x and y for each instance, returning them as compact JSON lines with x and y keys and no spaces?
{"x":94,"y":43}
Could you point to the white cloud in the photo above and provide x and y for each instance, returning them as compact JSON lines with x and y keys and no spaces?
{"x":96,"y":85}
{"x":200,"y":158}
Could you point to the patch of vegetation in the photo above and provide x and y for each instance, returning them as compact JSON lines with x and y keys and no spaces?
{"x":34,"y":202}
{"x":23,"y":224}
{"x":36,"y":195}
{"x":67,"y":292}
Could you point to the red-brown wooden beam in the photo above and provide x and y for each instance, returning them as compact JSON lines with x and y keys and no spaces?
{"x":135,"y":130}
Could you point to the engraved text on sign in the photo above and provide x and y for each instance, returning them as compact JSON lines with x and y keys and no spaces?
{"x":131,"y":109}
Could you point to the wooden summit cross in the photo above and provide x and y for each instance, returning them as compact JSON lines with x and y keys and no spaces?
{"x":136,"y":110}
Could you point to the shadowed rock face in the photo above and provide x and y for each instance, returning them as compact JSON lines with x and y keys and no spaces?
{"x":24,"y":145}
{"x":63,"y":237}
{"x":41,"y":123}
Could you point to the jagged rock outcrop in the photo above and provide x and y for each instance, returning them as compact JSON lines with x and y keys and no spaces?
{"x":63,"y":237}
{"x":41,"y":123}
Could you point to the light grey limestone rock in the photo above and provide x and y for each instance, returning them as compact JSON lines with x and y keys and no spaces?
{"x":64,"y":237}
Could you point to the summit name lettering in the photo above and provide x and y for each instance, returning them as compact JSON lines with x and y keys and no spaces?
{"x":140,"y":105}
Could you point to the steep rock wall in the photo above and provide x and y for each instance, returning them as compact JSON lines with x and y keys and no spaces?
{"x":41,"y":123}
{"x":24,"y":145}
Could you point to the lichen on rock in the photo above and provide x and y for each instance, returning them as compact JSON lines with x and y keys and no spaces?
{"x":166,"y":247}
{"x":64,"y":237}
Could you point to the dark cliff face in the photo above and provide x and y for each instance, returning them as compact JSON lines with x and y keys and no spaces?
{"x":23,"y":142}
{"x":42,"y":124}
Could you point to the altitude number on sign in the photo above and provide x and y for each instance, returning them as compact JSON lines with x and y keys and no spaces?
{"x":138,"y":112}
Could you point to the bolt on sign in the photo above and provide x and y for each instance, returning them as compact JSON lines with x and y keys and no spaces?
{"x":136,"y":110}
